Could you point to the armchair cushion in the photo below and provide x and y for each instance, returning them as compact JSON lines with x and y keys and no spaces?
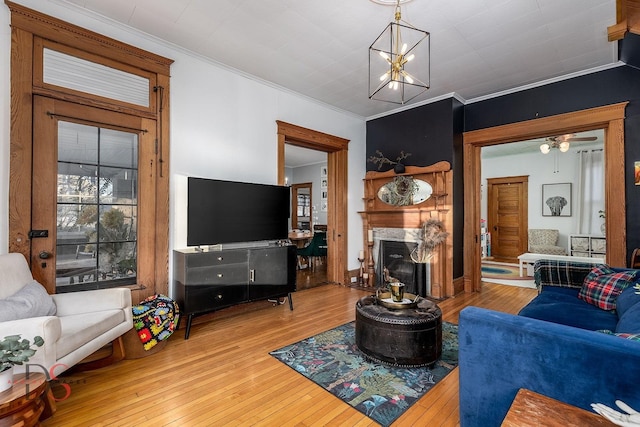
{"x":30,"y":301}
{"x":82,"y":328}
{"x":15,"y":274}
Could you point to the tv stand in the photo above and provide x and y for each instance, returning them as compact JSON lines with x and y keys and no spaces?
{"x":209,"y":281}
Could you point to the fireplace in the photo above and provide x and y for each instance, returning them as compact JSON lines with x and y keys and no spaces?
{"x":395,"y":256}
{"x":382,"y":220}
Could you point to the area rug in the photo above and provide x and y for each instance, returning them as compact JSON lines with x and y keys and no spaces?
{"x":502,"y":271}
{"x":332,"y":360}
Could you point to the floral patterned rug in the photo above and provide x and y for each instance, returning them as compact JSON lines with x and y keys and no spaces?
{"x":332,"y":360}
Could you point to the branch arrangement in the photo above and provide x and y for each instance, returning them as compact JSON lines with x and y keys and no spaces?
{"x":432,"y":234}
{"x":379,"y":159}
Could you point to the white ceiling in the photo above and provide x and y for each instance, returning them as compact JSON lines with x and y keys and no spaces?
{"x":320,"y":48}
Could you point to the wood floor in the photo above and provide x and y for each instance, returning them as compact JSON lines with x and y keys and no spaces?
{"x":224,"y":375}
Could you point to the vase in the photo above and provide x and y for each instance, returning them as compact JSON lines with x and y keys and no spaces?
{"x":6,"y":379}
{"x":398,"y":168}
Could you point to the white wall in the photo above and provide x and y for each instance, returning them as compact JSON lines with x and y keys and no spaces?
{"x":540,"y":169}
{"x":223,"y":125}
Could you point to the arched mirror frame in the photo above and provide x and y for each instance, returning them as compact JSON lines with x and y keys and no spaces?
{"x":610,"y":118}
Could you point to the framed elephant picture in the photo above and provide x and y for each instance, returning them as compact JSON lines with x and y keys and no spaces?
{"x":556,"y":199}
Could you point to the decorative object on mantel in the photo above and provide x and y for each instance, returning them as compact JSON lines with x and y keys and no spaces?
{"x":14,"y":351}
{"x":380,"y":160}
{"x":400,"y":48}
{"x":629,"y":418}
{"x":432,"y":233}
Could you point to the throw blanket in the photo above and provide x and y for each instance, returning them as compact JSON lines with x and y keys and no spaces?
{"x":155,"y":319}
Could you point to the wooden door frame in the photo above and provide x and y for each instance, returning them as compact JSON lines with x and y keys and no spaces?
{"x":337,"y":168}
{"x":524,"y":210}
{"x":610,"y":118}
{"x":294,"y":203}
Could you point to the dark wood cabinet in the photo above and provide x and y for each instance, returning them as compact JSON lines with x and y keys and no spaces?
{"x":209,"y":281}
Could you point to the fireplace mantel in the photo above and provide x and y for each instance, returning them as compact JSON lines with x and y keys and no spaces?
{"x":378,"y":214}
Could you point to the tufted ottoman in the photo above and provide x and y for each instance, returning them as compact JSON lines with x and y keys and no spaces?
{"x":406,"y":337}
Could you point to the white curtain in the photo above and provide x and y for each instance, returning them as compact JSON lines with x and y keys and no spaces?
{"x":590,"y":191}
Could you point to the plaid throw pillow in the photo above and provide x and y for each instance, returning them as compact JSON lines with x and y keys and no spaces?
{"x":602,"y":286}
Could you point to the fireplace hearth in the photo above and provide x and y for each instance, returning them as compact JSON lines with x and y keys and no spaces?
{"x":395,"y":256}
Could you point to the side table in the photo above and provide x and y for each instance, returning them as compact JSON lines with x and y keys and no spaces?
{"x":21,"y":408}
{"x":530,"y":409}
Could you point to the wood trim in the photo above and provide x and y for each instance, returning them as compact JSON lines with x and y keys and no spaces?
{"x":52,"y":28}
{"x":337,"y":174}
{"x":610,"y":118}
{"x":70,"y":94}
{"x":20,"y":134}
{"x":627,"y":19}
{"x":294,"y":203}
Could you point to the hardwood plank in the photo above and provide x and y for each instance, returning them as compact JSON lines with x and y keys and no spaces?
{"x":224,"y":375}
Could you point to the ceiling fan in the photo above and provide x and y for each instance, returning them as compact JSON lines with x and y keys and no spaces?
{"x":562,"y":142}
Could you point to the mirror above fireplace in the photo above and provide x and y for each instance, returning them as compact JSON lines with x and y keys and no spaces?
{"x":405,"y":191}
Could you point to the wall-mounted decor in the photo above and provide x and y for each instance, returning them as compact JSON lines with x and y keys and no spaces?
{"x":637,"y":172}
{"x":556,"y":199}
{"x":323,"y":171}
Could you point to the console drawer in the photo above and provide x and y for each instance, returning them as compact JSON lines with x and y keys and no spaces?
{"x":202,"y":298}
{"x":230,"y":274}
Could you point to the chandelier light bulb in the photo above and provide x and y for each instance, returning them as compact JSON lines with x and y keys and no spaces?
{"x":410,"y":57}
{"x":404,"y":49}
{"x":545,"y":148}
{"x":564,"y":146}
{"x":385,"y":55}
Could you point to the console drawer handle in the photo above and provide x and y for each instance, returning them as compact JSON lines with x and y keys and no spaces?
{"x":220,"y":275}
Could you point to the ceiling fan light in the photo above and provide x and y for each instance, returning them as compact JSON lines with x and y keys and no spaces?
{"x":545,"y":148}
{"x":564,"y":146}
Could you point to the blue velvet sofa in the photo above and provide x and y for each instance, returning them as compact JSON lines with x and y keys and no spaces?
{"x":554,"y":347}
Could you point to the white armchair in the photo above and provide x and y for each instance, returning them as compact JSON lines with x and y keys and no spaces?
{"x":545,"y":241}
{"x":82,"y":323}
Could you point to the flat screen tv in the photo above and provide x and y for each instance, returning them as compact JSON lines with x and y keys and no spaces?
{"x":231,"y":212}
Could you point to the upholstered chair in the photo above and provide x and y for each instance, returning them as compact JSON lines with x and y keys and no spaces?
{"x":545,"y":241}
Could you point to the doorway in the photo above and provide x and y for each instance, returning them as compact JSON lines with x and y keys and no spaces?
{"x":337,"y":181}
{"x":610,"y":118}
{"x":507,"y":211}
{"x":302,"y":206}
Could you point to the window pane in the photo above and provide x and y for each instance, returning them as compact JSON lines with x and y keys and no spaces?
{"x":77,"y":143}
{"x":118,"y":148}
{"x":97,"y":207}
{"x":121,"y":185}
{"x":74,"y":73}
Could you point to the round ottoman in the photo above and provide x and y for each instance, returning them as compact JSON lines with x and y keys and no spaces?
{"x":405,"y":337}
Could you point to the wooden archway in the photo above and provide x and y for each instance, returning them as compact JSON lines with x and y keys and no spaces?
{"x":337,"y":156}
{"x":610,"y":118}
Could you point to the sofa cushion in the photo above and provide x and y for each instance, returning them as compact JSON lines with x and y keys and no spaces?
{"x":30,"y":301}
{"x":603,"y":285}
{"x":630,"y":321}
{"x":79,"y":329}
{"x":562,"y":305}
{"x":627,"y":299}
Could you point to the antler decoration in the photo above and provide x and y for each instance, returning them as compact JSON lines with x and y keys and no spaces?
{"x":380,"y":159}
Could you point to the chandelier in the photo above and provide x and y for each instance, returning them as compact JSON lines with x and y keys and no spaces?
{"x":399,"y":63}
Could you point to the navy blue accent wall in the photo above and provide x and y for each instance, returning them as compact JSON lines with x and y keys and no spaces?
{"x":594,"y":90}
{"x":433,"y":132}
{"x":424,"y":131}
